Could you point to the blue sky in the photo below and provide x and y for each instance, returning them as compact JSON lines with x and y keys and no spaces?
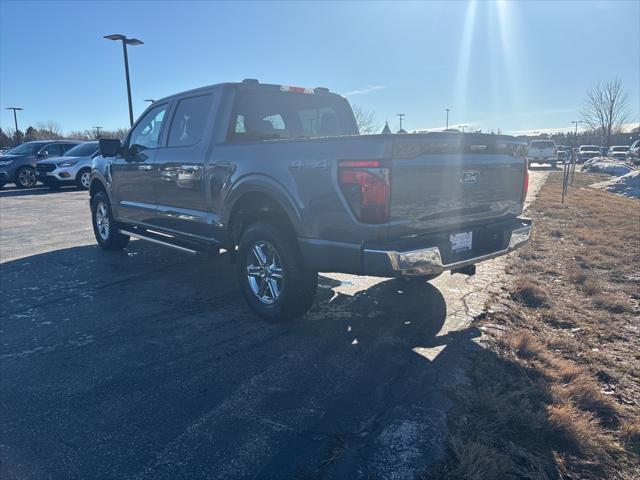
{"x":516,"y":66}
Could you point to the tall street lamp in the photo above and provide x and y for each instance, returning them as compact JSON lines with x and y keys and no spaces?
{"x":576,"y":122}
{"x":15,"y":120}
{"x":400,"y":116}
{"x":98,"y":131}
{"x":447,"y":127}
{"x":126,"y":41}
{"x":463,"y":127}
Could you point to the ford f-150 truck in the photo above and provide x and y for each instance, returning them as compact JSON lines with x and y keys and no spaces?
{"x":280,"y":178}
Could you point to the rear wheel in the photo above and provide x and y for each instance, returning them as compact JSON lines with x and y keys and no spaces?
{"x":83,"y":179}
{"x":104,"y":226}
{"x":273,"y":278}
{"x":26,"y":178}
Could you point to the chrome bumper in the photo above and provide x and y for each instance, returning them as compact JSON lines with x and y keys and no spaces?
{"x":428,"y":260}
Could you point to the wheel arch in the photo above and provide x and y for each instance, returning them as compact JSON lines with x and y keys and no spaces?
{"x":260,"y":201}
{"x":81,"y":170}
{"x":97,"y":186}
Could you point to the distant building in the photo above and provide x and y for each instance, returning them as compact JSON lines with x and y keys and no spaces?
{"x":386,"y":128}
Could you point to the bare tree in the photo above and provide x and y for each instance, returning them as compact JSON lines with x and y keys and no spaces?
{"x":606,"y":109}
{"x":366,"y":120}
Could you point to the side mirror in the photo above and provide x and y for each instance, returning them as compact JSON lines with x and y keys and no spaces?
{"x":109,"y":147}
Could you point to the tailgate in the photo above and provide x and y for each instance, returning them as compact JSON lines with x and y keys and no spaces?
{"x":445,"y":181}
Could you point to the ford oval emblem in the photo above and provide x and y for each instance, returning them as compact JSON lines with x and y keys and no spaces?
{"x":470,"y":177}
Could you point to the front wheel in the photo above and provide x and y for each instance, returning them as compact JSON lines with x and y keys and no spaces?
{"x":83,"y":179}
{"x":26,"y":178}
{"x":273,"y":278}
{"x":104,"y":226}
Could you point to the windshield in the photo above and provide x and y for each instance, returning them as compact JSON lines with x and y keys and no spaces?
{"x":27,"y":148}
{"x":82,"y":150}
{"x":620,"y":149}
{"x":589,"y":148}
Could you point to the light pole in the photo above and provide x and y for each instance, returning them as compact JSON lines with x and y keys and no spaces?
{"x":463,"y":127}
{"x":126,"y":41}
{"x":575,"y":135}
{"x":15,"y":121}
{"x":447,"y":127}
{"x":400,"y":115}
{"x":98,"y":131}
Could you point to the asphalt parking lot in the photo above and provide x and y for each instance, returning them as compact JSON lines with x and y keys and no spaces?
{"x":147,"y":364}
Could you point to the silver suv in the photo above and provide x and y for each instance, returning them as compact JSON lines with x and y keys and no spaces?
{"x":73,"y":167}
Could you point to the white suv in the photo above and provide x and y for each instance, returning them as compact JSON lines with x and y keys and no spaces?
{"x":619,"y":152}
{"x":73,"y":167}
{"x":543,"y":151}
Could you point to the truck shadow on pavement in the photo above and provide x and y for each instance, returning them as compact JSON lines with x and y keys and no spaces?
{"x":147,"y":364}
{"x":38,"y":190}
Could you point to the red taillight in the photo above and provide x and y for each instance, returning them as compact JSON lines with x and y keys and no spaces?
{"x":366,"y":185}
{"x":525,"y":186}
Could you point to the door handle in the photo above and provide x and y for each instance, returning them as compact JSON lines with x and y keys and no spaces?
{"x":145,"y":167}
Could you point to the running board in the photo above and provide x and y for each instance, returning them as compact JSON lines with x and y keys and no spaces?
{"x":159,"y":242}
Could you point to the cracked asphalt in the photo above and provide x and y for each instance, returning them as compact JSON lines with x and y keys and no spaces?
{"x":145,"y":364}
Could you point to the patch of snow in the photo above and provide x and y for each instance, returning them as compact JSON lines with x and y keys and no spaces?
{"x":607,"y":165}
{"x":627,"y":185}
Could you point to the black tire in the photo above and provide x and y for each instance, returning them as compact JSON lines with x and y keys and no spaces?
{"x":83,"y":179}
{"x":298,"y":285}
{"x":26,"y":177}
{"x":110,"y":237}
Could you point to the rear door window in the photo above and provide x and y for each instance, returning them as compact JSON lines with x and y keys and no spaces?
{"x":190,"y":120}
{"x":53,"y":150}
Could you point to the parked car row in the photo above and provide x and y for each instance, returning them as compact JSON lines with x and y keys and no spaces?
{"x":546,"y":151}
{"x":52,"y":162}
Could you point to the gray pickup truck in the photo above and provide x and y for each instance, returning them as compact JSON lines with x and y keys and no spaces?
{"x":280,"y":178}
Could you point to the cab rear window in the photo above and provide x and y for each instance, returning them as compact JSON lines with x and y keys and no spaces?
{"x":269,"y":114}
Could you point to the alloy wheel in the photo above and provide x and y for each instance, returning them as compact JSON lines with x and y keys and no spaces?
{"x":85,"y":179}
{"x":264,"y":272}
{"x":27,"y":177}
{"x":102,"y":220}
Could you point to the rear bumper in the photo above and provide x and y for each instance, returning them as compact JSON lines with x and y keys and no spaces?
{"x":430,"y":260}
{"x":432,"y":255}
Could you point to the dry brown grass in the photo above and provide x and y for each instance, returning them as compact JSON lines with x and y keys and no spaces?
{"x":577,"y":432}
{"x":558,"y":395}
{"x":529,"y":293}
